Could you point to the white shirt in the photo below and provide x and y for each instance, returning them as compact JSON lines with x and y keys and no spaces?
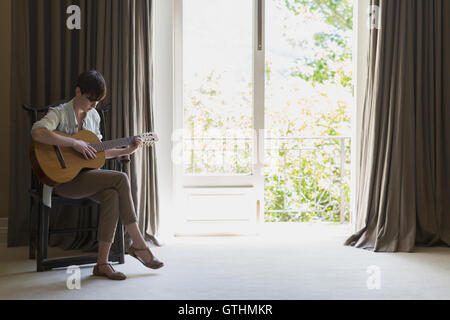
{"x":63,"y":119}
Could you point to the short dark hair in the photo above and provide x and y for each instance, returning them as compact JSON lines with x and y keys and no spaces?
{"x":93,"y":84}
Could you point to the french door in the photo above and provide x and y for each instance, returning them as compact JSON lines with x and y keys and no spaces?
{"x":219,"y":116}
{"x":264,"y":96}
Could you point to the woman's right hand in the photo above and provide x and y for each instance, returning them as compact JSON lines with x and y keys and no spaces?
{"x":85,"y":149}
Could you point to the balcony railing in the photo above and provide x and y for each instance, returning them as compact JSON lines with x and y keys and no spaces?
{"x":217,"y":156}
{"x":306,"y":178}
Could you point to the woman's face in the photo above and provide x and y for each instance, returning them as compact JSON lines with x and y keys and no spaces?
{"x":86,"y":103}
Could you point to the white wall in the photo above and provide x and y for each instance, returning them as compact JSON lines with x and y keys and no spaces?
{"x":360,"y":51}
{"x":163,"y":86}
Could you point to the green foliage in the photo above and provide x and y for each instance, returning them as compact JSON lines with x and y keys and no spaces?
{"x":337,"y":13}
{"x":317,"y":187}
{"x":310,"y":182}
{"x":335,"y":50}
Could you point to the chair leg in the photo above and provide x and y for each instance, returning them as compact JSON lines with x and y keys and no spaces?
{"x":121,"y":242}
{"x":33,"y":228}
{"x":44,"y":217}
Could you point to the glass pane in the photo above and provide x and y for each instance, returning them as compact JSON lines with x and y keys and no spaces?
{"x":308,"y":99}
{"x":218,"y":87}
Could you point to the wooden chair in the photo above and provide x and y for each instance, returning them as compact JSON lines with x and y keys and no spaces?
{"x":40,"y":213}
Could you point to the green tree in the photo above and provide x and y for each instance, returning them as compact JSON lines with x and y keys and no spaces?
{"x":335,"y":50}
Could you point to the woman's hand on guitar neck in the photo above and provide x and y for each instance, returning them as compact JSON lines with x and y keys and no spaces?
{"x":136,"y":145}
{"x":84,"y":148}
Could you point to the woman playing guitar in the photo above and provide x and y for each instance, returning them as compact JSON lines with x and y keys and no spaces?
{"x":110,"y":188}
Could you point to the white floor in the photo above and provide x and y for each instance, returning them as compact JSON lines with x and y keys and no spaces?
{"x":297,"y":262}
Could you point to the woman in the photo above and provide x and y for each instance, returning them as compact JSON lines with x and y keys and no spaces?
{"x":110,"y":188}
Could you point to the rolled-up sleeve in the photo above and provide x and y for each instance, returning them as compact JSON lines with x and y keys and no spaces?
{"x":49,"y":122}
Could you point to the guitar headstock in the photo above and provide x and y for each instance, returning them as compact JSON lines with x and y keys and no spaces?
{"x":148,"y":138}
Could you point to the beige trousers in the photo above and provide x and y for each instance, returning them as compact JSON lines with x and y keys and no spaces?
{"x":109,"y":188}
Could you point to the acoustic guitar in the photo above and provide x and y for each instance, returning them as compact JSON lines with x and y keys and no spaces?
{"x":55,"y":165}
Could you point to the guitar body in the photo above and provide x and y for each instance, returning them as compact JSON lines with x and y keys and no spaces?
{"x":53,"y":166}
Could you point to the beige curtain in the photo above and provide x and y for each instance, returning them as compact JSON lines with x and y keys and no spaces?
{"x":115,"y":39}
{"x":404,"y":194}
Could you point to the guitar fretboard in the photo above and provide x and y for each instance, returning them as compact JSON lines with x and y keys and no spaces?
{"x":111,"y":144}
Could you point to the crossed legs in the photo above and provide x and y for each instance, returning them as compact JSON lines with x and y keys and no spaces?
{"x":112,"y":190}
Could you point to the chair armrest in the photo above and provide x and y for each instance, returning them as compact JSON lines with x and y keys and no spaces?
{"x":122,"y":161}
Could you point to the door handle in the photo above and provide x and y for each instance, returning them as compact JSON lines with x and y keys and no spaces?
{"x":260,"y":4}
{"x":258,"y":211}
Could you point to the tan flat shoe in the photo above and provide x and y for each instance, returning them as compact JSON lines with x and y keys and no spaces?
{"x":114,"y":276}
{"x":154,"y":264}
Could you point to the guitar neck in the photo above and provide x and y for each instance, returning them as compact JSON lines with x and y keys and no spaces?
{"x":112,"y":144}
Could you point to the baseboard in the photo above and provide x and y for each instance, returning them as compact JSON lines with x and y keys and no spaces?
{"x":3,"y":231}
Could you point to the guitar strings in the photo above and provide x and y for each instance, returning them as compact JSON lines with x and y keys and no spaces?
{"x":111,"y":144}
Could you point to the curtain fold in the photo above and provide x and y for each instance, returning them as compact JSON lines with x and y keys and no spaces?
{"x":403,"y":196}
{"x":116,"y":40}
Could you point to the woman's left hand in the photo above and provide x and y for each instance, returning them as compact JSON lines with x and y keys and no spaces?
{"x":137,"y":143}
